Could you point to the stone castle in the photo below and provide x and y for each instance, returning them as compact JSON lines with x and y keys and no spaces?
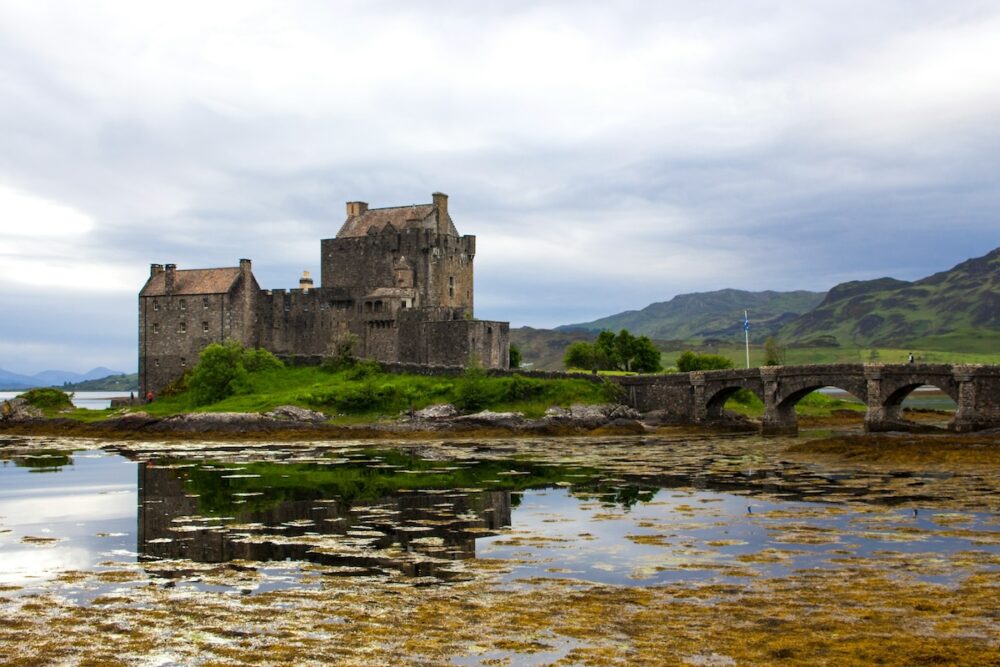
{"x":398,"y":279}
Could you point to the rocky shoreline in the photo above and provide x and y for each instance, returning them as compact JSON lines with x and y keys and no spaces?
{"x":288,"y":422}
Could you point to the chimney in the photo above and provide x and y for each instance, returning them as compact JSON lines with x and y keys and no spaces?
{"x":305,"y":282}
{"x":355,"y":208}
{"x":245,"y":267}
{"x":168,"y":278}
{"x":441,"y":204}
{"x":155,"y":269}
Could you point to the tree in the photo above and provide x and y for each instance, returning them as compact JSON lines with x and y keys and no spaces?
{"x":580,"y":355}
{"x":689,"y":361}
{"x":610,"y":351}
{"x":224,"y":369}
{"x":515,"y":356}
{"x":774,"y":355}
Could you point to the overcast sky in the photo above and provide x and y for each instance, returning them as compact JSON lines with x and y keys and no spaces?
{"x":607,"y":155}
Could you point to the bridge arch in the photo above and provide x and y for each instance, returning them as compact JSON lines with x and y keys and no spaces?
{"x":716,"y":403}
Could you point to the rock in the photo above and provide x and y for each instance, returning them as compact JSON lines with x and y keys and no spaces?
{"x":440,"y":411}
{"x":294,"y":413}
{"x":18,"y":410}
{"x":494,"y":419}
{"x":556,"y":412}
{"x":132,"y":420}
{"x":214,"y":421}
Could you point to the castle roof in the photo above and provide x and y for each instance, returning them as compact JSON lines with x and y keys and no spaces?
{"x":422,"y":216}
{"x":193,"y":281}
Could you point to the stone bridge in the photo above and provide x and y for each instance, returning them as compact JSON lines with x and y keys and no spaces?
{"x":699,"y":396}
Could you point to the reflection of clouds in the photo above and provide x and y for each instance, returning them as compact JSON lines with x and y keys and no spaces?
{"x":25,"y":566}
{"x":49,"y":508}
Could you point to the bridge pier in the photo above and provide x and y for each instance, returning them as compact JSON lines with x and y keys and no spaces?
{"x":881,"y":416}
{"x":978,"y":398}
{"x":779,"y":418}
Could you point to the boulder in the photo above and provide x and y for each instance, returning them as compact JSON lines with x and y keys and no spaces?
{"x":492,"y":419}
{"x":18,"y":410}
{"x":297,"y":414}
{"x":440,"y":411}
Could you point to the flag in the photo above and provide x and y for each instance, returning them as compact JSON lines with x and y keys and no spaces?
{"x":746,"y":321}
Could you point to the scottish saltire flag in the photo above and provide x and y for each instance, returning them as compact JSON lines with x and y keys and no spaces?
{"x":746,"y":321}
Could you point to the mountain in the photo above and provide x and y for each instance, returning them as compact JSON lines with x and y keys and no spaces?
{"x":716,"y":314}
{"x":9,"y":380}
{"x":543,"y":349}
{"x":119,"y":382}
{"x":956,"y":308}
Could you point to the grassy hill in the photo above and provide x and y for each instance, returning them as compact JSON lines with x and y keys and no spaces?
{"x":703,"y":315}
{"x":958,"y":309}
{"x":120,"y":382}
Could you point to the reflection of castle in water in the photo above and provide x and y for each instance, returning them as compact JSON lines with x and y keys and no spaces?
{"x":417,"y":533}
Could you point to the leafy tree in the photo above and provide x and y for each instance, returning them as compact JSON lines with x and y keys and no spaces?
{"x":689,"y":361}
{"x":580,"y":355}
{"x":622,"y":351}
{"x":224,"y":369}
{"x":515,"y":356}
{"x":774,"y":355}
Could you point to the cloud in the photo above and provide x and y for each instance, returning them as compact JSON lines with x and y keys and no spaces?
{"x":614,"y":155}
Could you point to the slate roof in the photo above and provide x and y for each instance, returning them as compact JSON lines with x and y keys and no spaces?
{"x":375,"y":219}
{"x":193,"y":281}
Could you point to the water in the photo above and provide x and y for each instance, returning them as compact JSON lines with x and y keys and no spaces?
{"x":407,"y":512}
{"x":91,"y":400}
{"x":684,"y":549}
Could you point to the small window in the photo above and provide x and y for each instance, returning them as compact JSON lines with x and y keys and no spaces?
{"x":184,"y":327}
{"x":156,"y":328}
{"x":204,"y":327}
{"x":156,"y":304}
{"x":204,"y":303}
{"x":156,"y":362}
{"x":184,"y":361}
{"x":184,"y":304}
{"x":451,"y":286}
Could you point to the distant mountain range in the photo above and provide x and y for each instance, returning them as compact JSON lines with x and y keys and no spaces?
{"x":955,"y":310}
{"x":16,"y":381}
{"x":708,"y":314}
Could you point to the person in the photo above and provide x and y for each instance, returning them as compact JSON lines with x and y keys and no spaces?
{"x":149,"y":397}
{"x":911,"y":358}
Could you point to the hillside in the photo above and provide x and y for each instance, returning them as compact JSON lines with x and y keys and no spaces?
{"x":120,"y":382}
{"x":17,"y":381}
{"x":954,"y":309}
{"x":703,"y":315}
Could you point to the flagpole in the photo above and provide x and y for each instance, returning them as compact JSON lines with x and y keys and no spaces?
{"x":746,"y":334}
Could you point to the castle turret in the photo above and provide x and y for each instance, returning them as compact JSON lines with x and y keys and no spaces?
{"x":441,"y":205}
{"x":305,"y":282}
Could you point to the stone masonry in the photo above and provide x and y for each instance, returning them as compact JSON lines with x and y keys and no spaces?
{"x":399,"y":279}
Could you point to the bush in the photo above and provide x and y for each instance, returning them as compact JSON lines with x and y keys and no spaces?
{"x":520,"y":388}
{"x":362,"y":370}
{"x":473,"y":391}
{"x":689,"y":361}
{"x":224,"y":370}
{"x":514,"y":356}
{"x":47,"y":398}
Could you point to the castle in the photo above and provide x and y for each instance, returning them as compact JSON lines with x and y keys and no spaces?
{"x":397,"y":279}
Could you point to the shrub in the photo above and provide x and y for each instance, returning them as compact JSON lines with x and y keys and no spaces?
{"x":47,"y":398}
{"x":520,"y":388}
{"x":224,"y":370}
{"x":514,"y":356}
{"x":364,"y":369}
{"x":473,"y":391}
{"x":689,"y":361}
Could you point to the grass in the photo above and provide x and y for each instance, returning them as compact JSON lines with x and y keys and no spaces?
{"x":362,"y":395}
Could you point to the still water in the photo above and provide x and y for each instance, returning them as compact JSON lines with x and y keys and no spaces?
{"x":421,"y":512}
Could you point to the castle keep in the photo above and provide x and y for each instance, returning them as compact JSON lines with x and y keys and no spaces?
{"x":400,"y":279}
